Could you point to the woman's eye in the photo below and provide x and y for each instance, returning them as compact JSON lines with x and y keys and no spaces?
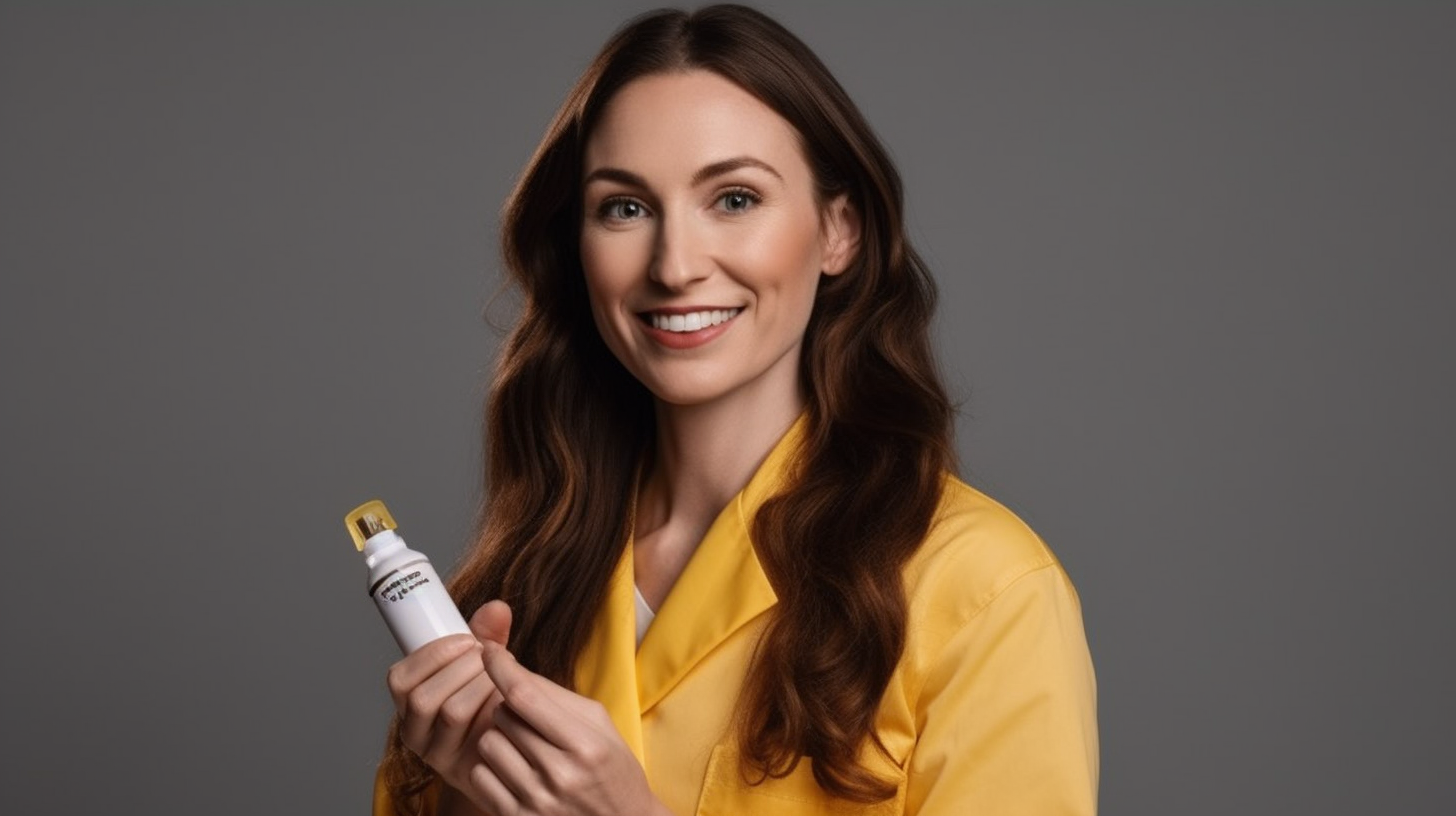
{"x":622,"y":209}
{"x":737,"y":201}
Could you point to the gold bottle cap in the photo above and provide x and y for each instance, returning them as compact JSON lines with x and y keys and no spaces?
{"x":367,"y":520}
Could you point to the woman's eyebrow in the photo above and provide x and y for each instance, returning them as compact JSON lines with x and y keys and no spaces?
{"x":614,"y":174}
{"x":713,"y":170}
{"x":729,"y":165}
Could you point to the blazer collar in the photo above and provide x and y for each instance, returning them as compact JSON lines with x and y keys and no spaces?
{"x":722,"y":588}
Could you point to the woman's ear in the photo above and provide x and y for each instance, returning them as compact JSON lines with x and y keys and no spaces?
{"x":839,"y":234}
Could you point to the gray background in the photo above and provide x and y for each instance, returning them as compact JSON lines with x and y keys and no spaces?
{"x":1196,"y":265}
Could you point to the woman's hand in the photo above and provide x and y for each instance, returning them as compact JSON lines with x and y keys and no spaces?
{"x":553,"y":752}
{"x":445,"y":699}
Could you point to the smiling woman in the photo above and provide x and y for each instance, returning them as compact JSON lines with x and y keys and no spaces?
{"x":723,"y":566}
{"x":704,"y":240}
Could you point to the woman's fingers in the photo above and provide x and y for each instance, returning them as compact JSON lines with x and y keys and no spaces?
{"x":410,"y":671}
{"x":421,"y":705}
{"x":538,"y":775}
{"x":545,"y":706}
{"x":458,"y":719}
{"x":477,"y":779}
{"x":550,"y":750}
{"x":509,"y":765}
{"x":488,"y":791}
{"x":447,"y":703}
{"x":492,"y":622}
{"x":543,"y":757}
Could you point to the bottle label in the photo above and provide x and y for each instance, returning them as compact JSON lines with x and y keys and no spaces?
{"x":406,"y":581}
{"x":416,"y":606}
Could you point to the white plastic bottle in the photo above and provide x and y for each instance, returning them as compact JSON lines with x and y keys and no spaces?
{"x":408,"y":592}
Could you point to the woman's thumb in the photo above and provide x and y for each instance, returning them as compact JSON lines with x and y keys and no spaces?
{"x":492,"y":622}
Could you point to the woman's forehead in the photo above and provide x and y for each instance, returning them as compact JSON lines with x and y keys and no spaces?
{"x":671,"y":125}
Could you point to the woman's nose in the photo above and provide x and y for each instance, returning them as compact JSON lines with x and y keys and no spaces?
{"x":681,"y":258}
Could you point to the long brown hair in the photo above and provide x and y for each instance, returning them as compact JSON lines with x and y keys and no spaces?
{"x":566,"y":425}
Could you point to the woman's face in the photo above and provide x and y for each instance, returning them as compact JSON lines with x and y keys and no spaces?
{"x":702,"y":239}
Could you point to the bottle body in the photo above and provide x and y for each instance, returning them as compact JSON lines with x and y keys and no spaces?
{"x":409,"y":593}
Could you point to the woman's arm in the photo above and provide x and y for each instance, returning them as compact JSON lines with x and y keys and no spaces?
{"x":1008,"y":711}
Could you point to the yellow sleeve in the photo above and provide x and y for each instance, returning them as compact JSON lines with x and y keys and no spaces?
{"x":1007,"y":714}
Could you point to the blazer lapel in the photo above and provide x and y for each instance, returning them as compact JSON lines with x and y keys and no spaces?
{"x":606,"y":670}
{"x":722,"y":588}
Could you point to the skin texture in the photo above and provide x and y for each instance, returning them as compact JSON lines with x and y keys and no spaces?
{"x":698,"y":195}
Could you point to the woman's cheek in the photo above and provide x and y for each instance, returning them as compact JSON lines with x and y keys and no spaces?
{"x":603,"y":266}
{"x":785,"y":261}
{"x":617,"y":258}
{"x":604,"y":291}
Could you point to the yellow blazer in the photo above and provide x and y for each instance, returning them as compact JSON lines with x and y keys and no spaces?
{"x":992,"y":709}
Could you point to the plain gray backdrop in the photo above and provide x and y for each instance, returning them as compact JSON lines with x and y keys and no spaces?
{"x":1196,"y":269}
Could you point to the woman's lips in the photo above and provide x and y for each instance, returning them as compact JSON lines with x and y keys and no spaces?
{"x":681,"y":328}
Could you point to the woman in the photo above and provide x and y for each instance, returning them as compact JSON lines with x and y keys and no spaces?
{"x":719,"y":415}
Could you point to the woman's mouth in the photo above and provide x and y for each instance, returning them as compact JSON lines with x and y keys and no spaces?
{"x":687,"y":329}
{"x":690,"y":321}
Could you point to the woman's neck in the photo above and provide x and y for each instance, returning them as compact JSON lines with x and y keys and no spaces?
{"x":704,"y":456}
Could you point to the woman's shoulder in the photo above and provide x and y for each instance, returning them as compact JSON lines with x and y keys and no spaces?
{"x":975,"y":549}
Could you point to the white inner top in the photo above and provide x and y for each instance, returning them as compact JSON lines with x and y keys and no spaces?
{"x":644,"y":614}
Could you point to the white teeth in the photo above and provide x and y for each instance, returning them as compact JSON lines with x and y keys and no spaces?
{"x":692,"y":321}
